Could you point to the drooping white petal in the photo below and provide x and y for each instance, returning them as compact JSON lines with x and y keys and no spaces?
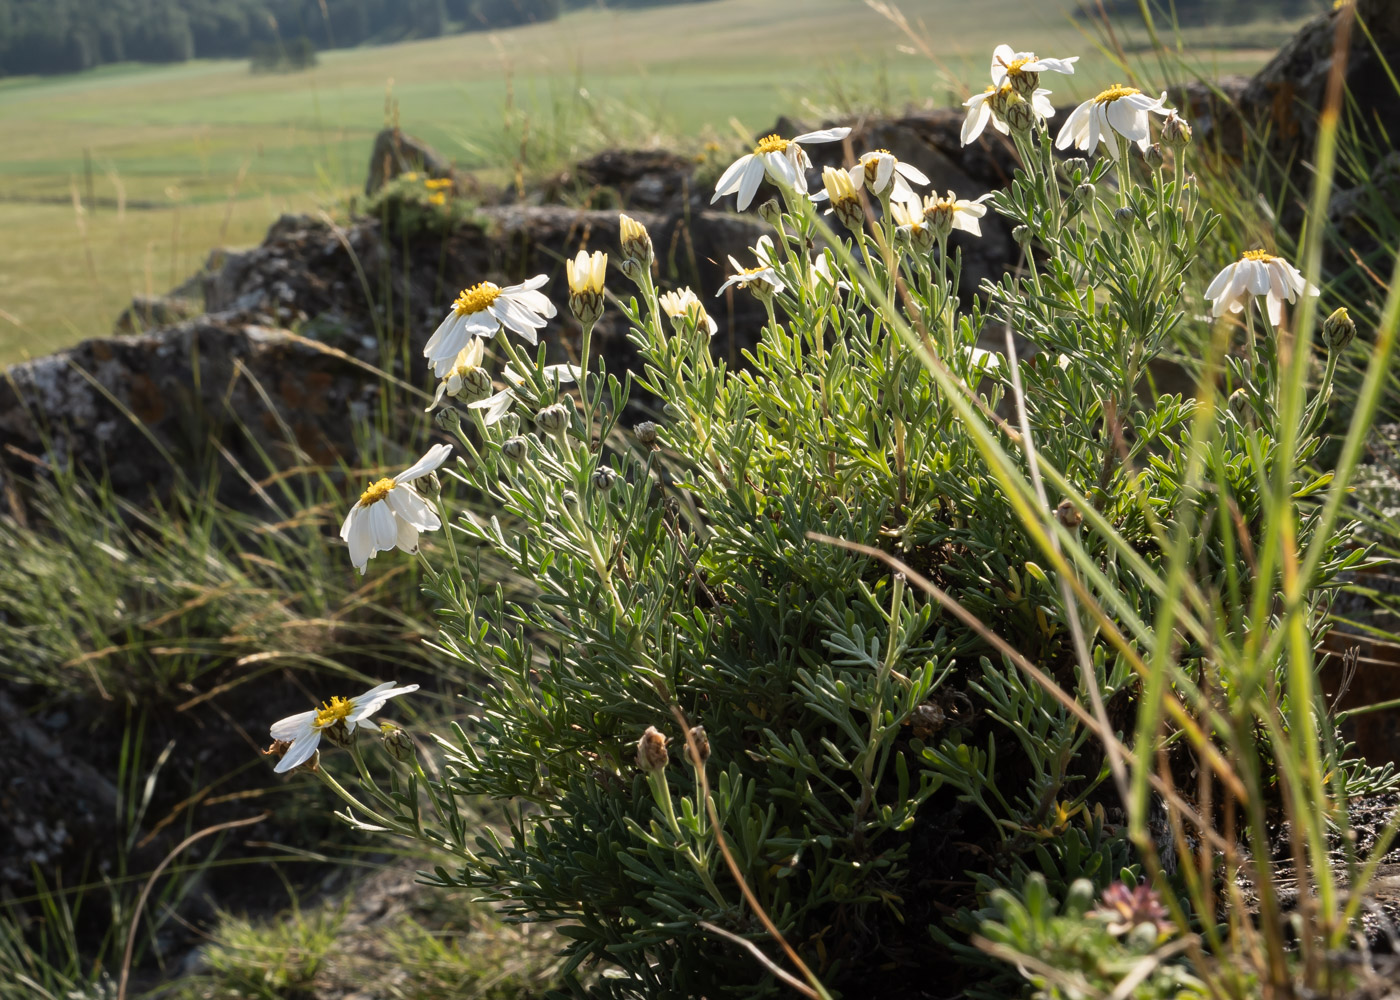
{"x":360,"y":538}
{"x":298,"y":753}
{"x":728,"y":181}
{"x":381,"y":522}
{"x":749,"y":181}
{"x":408,"y":537}
{"x":781,"y":168}
{"x":412,"y":509}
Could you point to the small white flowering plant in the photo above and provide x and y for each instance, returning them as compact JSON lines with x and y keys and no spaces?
{"x":925,"y":609}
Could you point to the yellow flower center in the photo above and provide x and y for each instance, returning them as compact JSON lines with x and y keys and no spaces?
{"x":333,"y":711}
{"x":1013,"y":68}
{"x":476,"y":298}
{"x":377,"y":492}
{"x":771,"y":144}
{"x":1258,"y":255}
{"x":1114,"y":92}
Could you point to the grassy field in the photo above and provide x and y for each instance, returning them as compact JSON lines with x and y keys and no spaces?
{"x":120,"y":180}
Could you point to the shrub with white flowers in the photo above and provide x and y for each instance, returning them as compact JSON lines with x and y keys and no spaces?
{"x":758,"y":688}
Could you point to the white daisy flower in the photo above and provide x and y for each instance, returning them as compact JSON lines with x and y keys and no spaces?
{"x":1023,"y":69}
{"x":1119,"y":109}
{"x":390,"y":513}
{"x":764,"y":274}
{"x":483,"y":309}
{"x":685,"y":306}
{"x":465,"y":375}
{"x":784,"y":160}
{"x":303,"y":730}
{"x":909,"y":222}
{"x":989,"y":107}
{"x":1257,"y":273}
{"x":943,"y":215}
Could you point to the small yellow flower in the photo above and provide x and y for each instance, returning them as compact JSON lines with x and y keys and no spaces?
{"x":437,"y":198}
{"x":438,"y":183}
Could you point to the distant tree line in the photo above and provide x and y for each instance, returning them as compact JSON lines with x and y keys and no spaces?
{"x":64,"y":36}
{"x":1198,"y":12}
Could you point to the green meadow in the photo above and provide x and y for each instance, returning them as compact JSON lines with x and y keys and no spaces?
{"x":119,"y":181}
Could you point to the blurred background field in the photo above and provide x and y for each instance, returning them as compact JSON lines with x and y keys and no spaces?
{"x":120,"y":180}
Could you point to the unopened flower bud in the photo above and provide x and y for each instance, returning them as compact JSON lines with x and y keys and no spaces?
{"x":1176,"y":132}
{"x":429,"y":486}
{"x":553,"y":419}
{"x":340,"y":735}
{"x":1021,"y":234}
{"x":1084,"y":193}
{"x":1020,"y":115}
{"x":1076,"y":168}
{"x":701,"y":741}
{"x":1338,"y":330}
{"x":603,"y":478}
{"x":771,"y":212}
{"x":1125,"y":216}
{"x":646,"y":433}
{"x":448,"y":419}
{"x":636,"y":242}
{"x":476,"y":384}
{"x":630,"y":269}
{"x":514,"y":448}
{"x":397,"y":743}
{"x":921,"y":238}
{"x":1068,"y":514}
{"x":586,"y":274}
{"x":651,"y":751}
{"x":1024,"y":82}
{"x":1153,"y":156}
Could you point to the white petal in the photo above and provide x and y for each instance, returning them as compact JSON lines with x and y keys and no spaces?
{"x":412,"y":509}
{"x":361,"y":540}
{"x":298,"y":753}
{"x":430,"y":348}
{"x":1057,"y":65}
{"x":1069,"y":131}
{"x":1127,"y":121}
{"x":1221,"y":281}
{"x":884,"y":169}
{"x":293,"y":726}
{"x":382,"y":527}
{"x":781,"y":168}
{"x":496,"y":406}
{"x":976,"y":123}
{"x":912,"y":173}
{"x":1275,"y":308}
{"x":824,"y":135}
{"x":729,"y":180}
{"x":529,"y":285}
{"x":1258,"y":277}
{"x":432,"y":459}
{"x":749,"y":181}
{"x":373,"y":700}
{"x":408,"y":537}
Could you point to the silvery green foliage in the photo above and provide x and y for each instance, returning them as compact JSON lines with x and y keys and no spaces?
{"x":868,"y":749}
